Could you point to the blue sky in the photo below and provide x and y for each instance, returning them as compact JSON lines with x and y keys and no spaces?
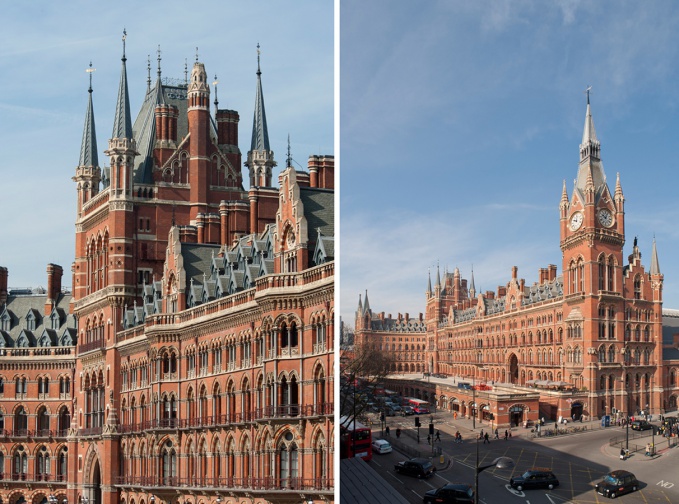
{"x":45,"y":48}
{"x":461,"y":120}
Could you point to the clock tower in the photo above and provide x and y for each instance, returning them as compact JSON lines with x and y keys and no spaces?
{"x":592,"y":225}
{"x":592,"y":240}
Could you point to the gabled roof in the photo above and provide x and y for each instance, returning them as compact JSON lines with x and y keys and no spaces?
{"x":319,"y":210}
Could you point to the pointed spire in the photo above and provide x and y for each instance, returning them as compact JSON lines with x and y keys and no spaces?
{"x":260,"y":133}
{"x":148,"y":73}
{"x":472,"y":287}
{"x":366,"y":305}
{"x":429,"y":282}
{"x":655,"y":265}
{"x":618,"y":188}
{"x":589,"y":134}
{"x":564,"y":196}
{"x":438,"y":277}
{"x":214,"y":83}
{"x":360,"y":305}
{"x":288,"y":160}
{"x":122,"y":125}
{"x":88,"y":149}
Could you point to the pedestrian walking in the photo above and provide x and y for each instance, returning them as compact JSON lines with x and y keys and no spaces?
{"x":428,"y":439}
{"x":485,"y":438}
{"x":386,"y":430}
{"x":506,"y":434}
{"x":398,"y":433}
{"x":497,"y":434}
{"x":622,"y":454}
{"x":438,"y":436}
{"x":648,"y":449}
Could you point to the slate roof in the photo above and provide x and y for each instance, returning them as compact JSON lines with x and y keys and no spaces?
{"x":670,"y":326}
{"x":361,"y":484}
{"x":319,"y":210}
{"x":18,"y":306}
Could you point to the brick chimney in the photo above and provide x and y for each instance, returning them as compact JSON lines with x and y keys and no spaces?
{"x":54,"y":274}
{"x":3,"y":285}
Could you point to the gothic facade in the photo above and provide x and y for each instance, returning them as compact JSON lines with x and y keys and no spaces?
{"x":193,"y":359}
{"x":591,"y":336}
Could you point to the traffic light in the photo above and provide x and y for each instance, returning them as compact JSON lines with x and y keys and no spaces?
{"x":417,"y":421}
{"x":382,"y":416}
{"x":431,"y":429}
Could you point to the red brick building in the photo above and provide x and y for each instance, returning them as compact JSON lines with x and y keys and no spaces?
{"x":589,"y":340}
{"x":195,"y":354}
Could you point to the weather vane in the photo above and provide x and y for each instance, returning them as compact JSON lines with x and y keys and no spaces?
{"x":589,"y":88}
{"x":196,"y":55}
{"x":90,"y":70}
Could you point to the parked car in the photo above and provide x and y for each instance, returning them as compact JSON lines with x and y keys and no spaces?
{"x":407,"y":410}
{"x":535,"y":478}
{"x":418,"y":467}
{"x":381,"y":446}
{"x":640,"y":425}
{"x":397,"y":409}
{"x":451,"y":493}
{"x":617,"y":483}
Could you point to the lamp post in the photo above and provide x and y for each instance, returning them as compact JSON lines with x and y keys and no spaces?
{"x":500,"y":463}
{"x":473,"y":401}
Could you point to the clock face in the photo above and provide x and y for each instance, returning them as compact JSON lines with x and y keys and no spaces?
{"x":576,"y":221}
{"x":291,"y":239}
{"x":605,"y":217}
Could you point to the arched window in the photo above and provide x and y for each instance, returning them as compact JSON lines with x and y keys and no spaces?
{"x":43,"y":422}
{"x":288,"y":465}
{"x":169,"y":456}
{"x":42,"y":464}
{"x":637,"y":287}
{"x":20,"y":422}
{"x":62,"y":464}
{"x":20,"y":464}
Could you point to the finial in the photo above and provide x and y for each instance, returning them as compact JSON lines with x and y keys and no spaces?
{"x":215,"y":85}
{"x":589,"y":88}
{"x":124,"y":37}
{"x":196,"y":55}
{"x":259,"y":72}
{"x":159,"y":58}
{"x":90,"y":70}
{"x":289,"y":159}
{"x":148,"y":73}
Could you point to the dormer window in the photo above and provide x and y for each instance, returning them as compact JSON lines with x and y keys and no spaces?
{"x":5,"y":321}
{"x":54,"y":320}
{"x":30,"y":321}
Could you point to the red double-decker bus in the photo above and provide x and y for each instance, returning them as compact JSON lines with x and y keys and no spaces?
{"x":355,"y":439}
{"x":419,"y":406}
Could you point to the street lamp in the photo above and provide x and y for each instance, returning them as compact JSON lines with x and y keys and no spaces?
{"x":500,"y":463}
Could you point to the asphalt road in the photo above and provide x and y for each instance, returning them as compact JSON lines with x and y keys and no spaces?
{"x":579,"y":461}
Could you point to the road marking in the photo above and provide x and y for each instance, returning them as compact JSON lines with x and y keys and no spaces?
{"x":514,"y":491}
{"x":376,"y":463}
{"x":394,"y":476}
{"x":413,"y":491}
{"x":665,"y":484}
{"x":558,"y":499}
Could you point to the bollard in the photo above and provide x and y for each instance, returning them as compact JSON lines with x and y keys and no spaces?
{"x":441,"y":460}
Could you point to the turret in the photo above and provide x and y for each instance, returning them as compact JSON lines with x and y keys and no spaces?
{"x":88,"y":172}
{"x":198,"y":97}
{"x":260,"y":161}
{"x":122,"y":148}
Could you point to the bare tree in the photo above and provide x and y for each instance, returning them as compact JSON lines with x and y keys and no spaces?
{"x":362,"y":366}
